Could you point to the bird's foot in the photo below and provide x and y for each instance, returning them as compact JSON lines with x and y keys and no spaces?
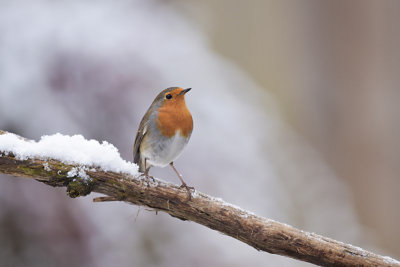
{"x":184,"y":185}
{"x":147,"y":176}
{"x":188,"y":188}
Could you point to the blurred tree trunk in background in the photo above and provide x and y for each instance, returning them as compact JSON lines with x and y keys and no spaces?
{"x":334,"y":66}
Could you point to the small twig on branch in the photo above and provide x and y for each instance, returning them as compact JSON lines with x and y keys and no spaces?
{"x":104,"y":199}
{"x":258,"y":232}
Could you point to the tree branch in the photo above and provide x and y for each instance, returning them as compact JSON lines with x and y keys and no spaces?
{"x":258,"y":232}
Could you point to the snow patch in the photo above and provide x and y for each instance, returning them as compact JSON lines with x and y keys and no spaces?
{"x":69,"y":150}
{"x":79,"y":172}
{"x":390,"y":260}
{"x":242,"y":213}
{"x":46,"y":167}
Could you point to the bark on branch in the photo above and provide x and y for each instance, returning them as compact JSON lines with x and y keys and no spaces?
{"x":258,"y":232}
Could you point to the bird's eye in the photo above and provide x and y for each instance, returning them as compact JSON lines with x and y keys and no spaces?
{"x":169,"y":96}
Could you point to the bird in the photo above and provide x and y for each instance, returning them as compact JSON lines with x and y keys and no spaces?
{"x":163,"y":132}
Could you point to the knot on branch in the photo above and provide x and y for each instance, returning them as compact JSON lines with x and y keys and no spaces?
{"x":80,"y":183}
{"x":75,"y":179}
{"x":78,"y":187}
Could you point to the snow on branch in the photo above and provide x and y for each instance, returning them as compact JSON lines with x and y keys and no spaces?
{"x":85,"y":166}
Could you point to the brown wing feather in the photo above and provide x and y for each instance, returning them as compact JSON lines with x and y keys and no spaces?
{"x":141,"y":133}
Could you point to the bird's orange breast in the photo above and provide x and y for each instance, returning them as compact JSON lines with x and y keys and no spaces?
{"x":174,"y":116}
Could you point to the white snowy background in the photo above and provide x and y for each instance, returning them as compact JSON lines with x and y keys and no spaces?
{"x":78,"y":67}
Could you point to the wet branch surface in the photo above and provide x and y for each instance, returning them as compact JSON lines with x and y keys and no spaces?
{"x":258,"y":232}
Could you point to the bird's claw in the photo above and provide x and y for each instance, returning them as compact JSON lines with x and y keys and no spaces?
{"x":188,"y":188}
{"x":148,"y":177}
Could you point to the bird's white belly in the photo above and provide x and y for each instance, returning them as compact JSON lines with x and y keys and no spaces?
{"x":165,"y":150}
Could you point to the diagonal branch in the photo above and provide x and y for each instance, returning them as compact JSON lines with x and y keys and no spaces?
{"x":258,"y":232}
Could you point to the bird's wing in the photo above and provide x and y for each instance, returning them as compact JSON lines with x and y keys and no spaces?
{"x":141,"y":133}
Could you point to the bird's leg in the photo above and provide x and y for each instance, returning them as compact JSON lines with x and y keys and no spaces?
{"x":146,"y":171}
{"x":180,"y":178}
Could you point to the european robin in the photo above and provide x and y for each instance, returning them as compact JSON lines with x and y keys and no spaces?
{"x":163,"y":132}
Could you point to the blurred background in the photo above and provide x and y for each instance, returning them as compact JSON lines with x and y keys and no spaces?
{"x":296,"y":113}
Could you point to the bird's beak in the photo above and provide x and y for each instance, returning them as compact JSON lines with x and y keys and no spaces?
{"x":185,"y":91}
